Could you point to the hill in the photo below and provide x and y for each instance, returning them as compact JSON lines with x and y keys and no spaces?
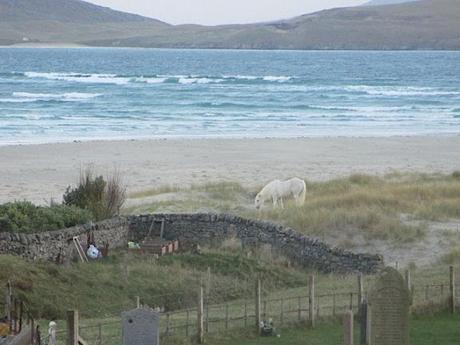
{"x":70,"y":11}
{"x":425,"y":24}
{"x":385,"y":2}
{"x":69,"y":21}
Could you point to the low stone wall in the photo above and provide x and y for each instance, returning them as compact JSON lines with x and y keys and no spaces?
{"x":212,"y":229}
{"x":192,"y":229}
{"x":52,"y":244}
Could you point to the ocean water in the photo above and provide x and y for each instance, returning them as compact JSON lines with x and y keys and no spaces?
{"x":52,"y":95}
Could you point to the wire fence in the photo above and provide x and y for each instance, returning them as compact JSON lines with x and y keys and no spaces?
{"x":286,"y":307}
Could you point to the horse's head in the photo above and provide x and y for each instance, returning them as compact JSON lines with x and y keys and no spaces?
{"x":258,"y":201}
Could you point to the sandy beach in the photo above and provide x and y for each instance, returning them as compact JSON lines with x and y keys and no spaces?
{"x":41,"y":172}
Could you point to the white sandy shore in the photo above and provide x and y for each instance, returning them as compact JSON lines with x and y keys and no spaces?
{"x":41,"y":172}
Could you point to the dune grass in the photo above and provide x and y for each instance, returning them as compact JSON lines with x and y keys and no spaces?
{"x":359,"y":205}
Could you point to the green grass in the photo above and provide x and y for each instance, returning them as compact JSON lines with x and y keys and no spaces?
{"x":440,"y":329}
{"x":105,"y":288}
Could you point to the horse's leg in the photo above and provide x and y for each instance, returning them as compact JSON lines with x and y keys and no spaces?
{"x":275,"y":202}
{"x":282,"y":203}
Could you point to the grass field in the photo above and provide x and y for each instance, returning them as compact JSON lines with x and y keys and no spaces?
{"x":440,"y":329}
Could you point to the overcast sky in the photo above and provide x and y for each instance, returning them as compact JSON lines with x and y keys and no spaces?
{"x":212,"y":12}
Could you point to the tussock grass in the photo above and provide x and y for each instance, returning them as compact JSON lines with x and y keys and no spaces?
{"x":359,"y":205}
{"x":155,"y":191}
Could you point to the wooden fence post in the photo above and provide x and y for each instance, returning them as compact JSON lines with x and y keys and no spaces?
{"x":409,"y":287}
{"x":318,"y":307}
{"x":99,"y":334}
{"x":264,"y":311}
{"x":299,"y":307}
{"x":282,"y":311}
{"x":348,"y":328}
{"x":408,"y":280}
{"x":351,"y":301}
{"x":452,"y":289}
{"x":208,"y":283}
{"x":167,"y":324}
{"x":257,"y":305}
{"x":311,"y":300}
{"x":334,"y":305}
{"x":206,"y":320}
{"x":245,"y":314}
{"x":187,"y":323}
{"x":365,"y":323}
{"x":72,"y":327}
{"x":368,"y":325}
{"x":226,"y":316}
{"x":8,"y":300}
{"x":200,"y":312}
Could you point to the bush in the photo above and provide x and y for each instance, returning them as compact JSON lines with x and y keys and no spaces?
{"x":102,"y":198}
{"x":25,"y":217}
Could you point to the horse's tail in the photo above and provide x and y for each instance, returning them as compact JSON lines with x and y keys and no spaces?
{"x":303,"y":194}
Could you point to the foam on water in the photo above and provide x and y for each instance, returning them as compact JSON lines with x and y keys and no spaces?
{"x":128,"y":93}
{"x":80,"y":77}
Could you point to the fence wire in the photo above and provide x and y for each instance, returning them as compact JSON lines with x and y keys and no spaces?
{"x":283,"y":307}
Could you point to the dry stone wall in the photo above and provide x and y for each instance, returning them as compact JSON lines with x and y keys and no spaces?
{"x":52,"y":244}
{"x":212,"y":229}
{"x":190,"y":230}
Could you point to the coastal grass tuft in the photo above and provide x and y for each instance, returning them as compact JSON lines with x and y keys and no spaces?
{"x":364,"y":206}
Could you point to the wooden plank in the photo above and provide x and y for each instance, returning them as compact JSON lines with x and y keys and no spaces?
{"x":81,"y":252}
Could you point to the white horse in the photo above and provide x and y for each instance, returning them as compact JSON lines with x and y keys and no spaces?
{"x":278,"y":190}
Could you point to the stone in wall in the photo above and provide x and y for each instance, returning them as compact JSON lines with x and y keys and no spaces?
{"x":49,"y":245}
{"x":209,"y":229}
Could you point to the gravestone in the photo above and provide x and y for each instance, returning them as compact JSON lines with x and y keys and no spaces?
{"x":141,"y":327}
{"x":389,"y":309}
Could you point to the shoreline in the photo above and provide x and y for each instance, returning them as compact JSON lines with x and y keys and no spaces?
{"x":222,"y":137}
{"x":65,"y":45}
{"x":42,"y":172}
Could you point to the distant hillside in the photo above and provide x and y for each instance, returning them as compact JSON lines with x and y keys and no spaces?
{"x":70,"y":11}
{"x":424,"y":24}
{"x":386,"y":2}
{"x":67,"y":21}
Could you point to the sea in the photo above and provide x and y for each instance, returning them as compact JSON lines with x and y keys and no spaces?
{"x":60,"y":95}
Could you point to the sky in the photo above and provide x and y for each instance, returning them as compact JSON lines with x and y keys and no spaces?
{"x":214,"y":12}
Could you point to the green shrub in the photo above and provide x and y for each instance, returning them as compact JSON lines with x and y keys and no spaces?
{"x":100,"y":197}
{"x":25,"y":217}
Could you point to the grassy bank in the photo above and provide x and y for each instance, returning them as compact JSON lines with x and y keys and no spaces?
{"x":107,"y":287}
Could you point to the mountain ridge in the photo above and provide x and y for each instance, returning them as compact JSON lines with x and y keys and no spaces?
{"x":423,"y":24}
{"x":385,"y":2}
{"x":73,"y":11}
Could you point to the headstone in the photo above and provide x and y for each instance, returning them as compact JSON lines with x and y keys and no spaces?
{"x":141,"y":327}
{"x":389,"y":305}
